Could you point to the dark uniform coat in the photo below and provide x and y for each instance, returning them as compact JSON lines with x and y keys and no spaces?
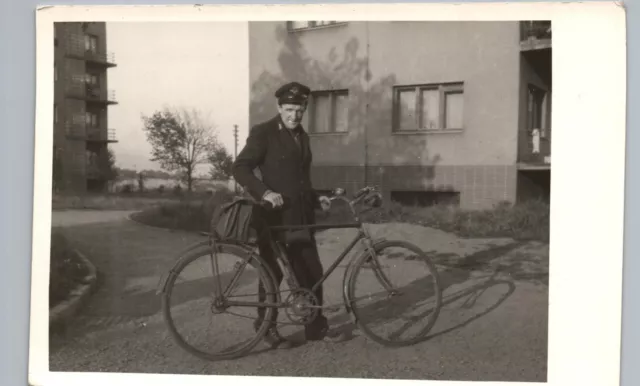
{"x":284,"y":165}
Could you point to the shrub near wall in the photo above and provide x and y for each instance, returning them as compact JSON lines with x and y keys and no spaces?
{"x":67,"y":270}
{"x":526,"y":221}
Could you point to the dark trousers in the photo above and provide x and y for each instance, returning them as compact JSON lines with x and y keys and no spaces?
{"x":307,"y":268}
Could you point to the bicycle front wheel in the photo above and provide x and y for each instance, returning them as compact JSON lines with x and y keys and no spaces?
{"x":395,"y":293}
{"x":215,"y":317}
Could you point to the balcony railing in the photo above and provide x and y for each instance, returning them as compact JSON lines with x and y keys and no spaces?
{"x":535,"y":30}
{"x":91,"y":93}
{"x":100,"y":57}
{"x":76,"y":49}
{"x":103,"y":58}
{"x":536,"y":152}
{"x":80,"y":131}
{"x":535,"y":34}
{"x":101,"y":135}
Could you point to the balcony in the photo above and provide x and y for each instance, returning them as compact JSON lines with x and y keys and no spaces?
{"x":76,"y":49}
{"x":92,"y":94}
{"x":101,"y":135}
{"x":535,"y":153}
{"x":105,"y":59}
{"x":535,"y":35}
{"x":80,"y":131}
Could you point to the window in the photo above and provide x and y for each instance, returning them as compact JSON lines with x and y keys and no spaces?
{"x":428,"y":107}
{"x":91,"y":119}
{"x":329,"y":112}
{"x":91,"y":43}
{"x":302,"y":25}
{"x":536,"y":108}
{"x":91,"y":79}
{"x":426,"y":198}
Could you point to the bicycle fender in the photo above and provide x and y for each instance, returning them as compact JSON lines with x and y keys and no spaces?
{"x":164,"y":278}
{"x":348,"y":272}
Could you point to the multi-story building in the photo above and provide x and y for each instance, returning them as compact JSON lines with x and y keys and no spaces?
{"x":81,"y":130}
{"x":429,"y":111}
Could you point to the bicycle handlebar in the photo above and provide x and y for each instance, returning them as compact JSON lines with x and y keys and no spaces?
{"x":338,"y":194}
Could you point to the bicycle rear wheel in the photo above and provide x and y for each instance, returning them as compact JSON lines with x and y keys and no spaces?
{"x":380,"y":301}
{"x":190,"y":302}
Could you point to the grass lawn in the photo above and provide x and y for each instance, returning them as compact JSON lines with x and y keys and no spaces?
{"x":67,"y":270}
{"x":121,"y":201}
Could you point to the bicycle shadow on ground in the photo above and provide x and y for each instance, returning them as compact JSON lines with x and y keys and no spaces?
{"x":343,"y":322}
{"x":462,"y":274}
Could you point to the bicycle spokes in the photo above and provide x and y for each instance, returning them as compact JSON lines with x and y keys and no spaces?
{"x":397,"y":300}
{"x":379,"y":272}
{"x":215,"y":271}
{"x":212,"y":303}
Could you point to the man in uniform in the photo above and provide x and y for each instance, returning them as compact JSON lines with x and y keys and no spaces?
{"x":279,"y":149}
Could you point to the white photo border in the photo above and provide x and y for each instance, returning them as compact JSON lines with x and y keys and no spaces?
{"x":589,"y":121}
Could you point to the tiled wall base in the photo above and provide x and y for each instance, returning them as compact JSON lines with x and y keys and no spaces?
{"x":479,"y":186}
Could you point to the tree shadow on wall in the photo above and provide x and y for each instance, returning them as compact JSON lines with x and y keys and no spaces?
{"x":344,"y":67}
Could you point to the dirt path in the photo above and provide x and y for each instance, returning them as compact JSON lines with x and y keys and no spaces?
{"x":67,"y":218}
{"x":493,"y":326}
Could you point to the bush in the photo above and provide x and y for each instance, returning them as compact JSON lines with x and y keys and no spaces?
{"x":67,"y":270}
{"x":127,"y":188}
{"x":525,"y":221}
{"x":188,"y":214}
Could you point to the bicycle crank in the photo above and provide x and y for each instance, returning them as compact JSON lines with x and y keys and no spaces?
{"x":302,"y":306}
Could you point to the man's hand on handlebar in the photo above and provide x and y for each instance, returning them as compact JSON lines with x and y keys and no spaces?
{"x":325,"y":203}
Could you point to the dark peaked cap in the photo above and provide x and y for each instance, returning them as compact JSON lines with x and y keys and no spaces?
{"x":293,"y":93}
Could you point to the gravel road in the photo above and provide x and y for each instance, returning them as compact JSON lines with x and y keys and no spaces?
{"x":493,"y":325}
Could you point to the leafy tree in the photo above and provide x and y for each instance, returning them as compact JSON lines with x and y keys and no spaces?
{"x":221,"y":163}
{"x":180,"y":141}
{"x":107,"y":165}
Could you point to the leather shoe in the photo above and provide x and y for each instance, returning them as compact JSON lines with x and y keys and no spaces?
{"x":328,"y":335}
{"x":275,"y":340}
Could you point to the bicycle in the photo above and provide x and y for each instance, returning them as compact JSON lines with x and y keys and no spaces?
{"x":301,"y":305}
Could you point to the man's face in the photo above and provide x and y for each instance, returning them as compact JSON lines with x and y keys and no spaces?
{"x":291,"y":114}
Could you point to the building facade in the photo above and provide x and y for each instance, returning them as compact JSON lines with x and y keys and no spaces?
{"x":431,"y":112}
{"x":81,"y":100}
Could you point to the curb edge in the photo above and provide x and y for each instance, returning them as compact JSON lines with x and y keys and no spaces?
{"x":63,"y":311}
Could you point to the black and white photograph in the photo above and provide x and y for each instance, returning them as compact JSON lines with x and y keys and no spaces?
{"x":350,"y":198}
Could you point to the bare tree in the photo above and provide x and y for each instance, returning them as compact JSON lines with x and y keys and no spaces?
{"x":180,"y":140}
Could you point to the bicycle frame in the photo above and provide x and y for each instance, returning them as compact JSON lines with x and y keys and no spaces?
{"x":283,"y":258}
{"x":362,"y":234}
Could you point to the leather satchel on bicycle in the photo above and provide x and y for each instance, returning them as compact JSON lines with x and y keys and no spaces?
{"x":233,"y":222}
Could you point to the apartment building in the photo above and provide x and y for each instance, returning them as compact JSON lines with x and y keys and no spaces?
{"x":81,"y":100}
{"x":431,"y":112}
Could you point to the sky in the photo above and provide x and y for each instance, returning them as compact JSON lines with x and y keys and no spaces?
{"x":172,"y":64}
